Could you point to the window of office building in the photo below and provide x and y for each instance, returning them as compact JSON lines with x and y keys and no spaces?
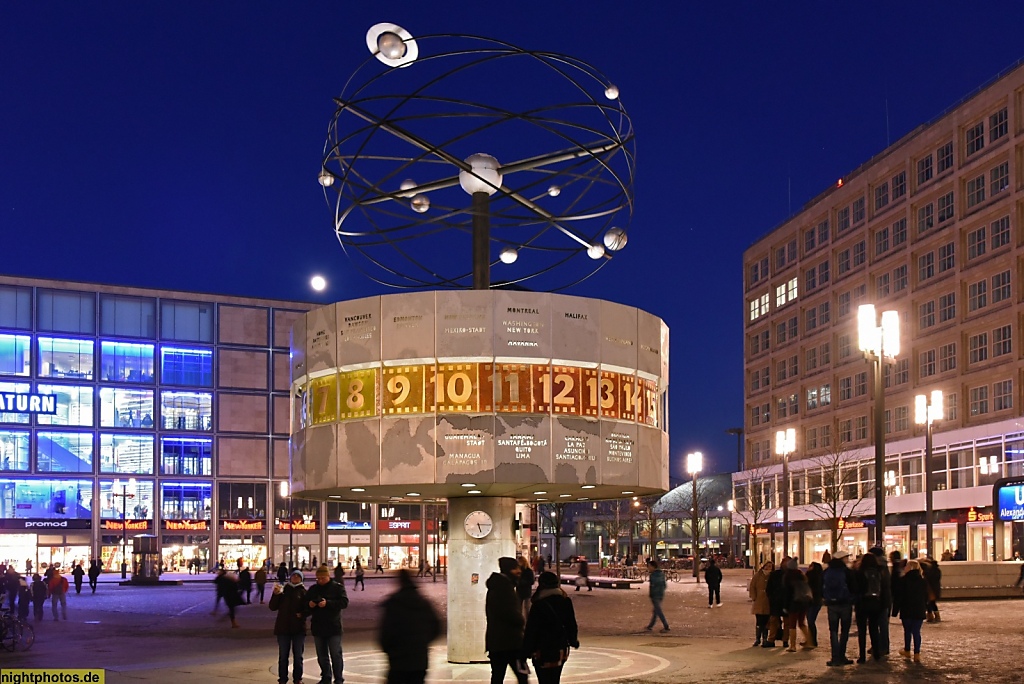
{"x":758,"y":271}
{"x":924,"y":170}
{"x":1002,"y":342}
{"x":1000,"y":287}
{"x":860,"y":253}
{"x":882,"y":285}
{"x":925,"y":217}
{"x":1000,"y":230}
{"x":186,"y":456}
{"x":126,"y":362}
{"x":127,"y":316}
{"x":70,"y":312}
{"x":187,"y":367}
{"x":186,"y":500}
{"x":843,"y":261}
{"x":65,"y":358}
{"x":902,"y":371}
{"x":48,"y":499}
{"x":843,"y":220}
{"x":126,"y":408}
{"x":18,"y":388}
{"x":979,"y":400}
{"x":14,"y":454}
{"x":947,"y":307}
{"x":191,"y":321}
{"x":977,"y":295}
{"x":1002,"y":395}
{"x":947,"y":357}
{"x":186,"y":410}
{"x":926,"y":314}
{"x":926,"y":363}
{"x":881,"y":196}
{"x":975,"y":191}
{"x":899,"y":185}
{"x":858,"y":210}
{"x":978,"y":348}
{"x":811,"y":358}
{"x":758,"y":307}
{"x":976,"y":243}
{"x":74,"y":405}
{"x":881,"y":241}
{"x":975,"y":138}
{"x":949,"y":403}
{"x":946,"y":209}
{"x":15,"y":353}
{"x":845,"y":388}
{"x":925,"y":266}
{"x":899,"y":278}
{"x":64,"y":452}
{"x":309,"y":511}
{"x":123,"y":499}
{"x":899,"y":232}
{"x":130,"y":454}
{"x":947,"y":257}
{"x":944,"y":158}
{"x":998,"y":125}
{"x":15,"y":307}
{"x":242,"y":500}
{"x":999,"y":178}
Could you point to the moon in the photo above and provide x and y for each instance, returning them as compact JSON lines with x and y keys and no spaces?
{"x":318,"y":283}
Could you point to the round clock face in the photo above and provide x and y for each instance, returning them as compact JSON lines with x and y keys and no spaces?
{"x":478,"y":524}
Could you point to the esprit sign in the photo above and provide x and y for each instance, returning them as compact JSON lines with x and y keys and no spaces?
{"x":27,"y":402}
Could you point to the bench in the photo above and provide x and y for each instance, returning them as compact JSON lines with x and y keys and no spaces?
{"x":604,"y":582}
{"x":980,"y":580}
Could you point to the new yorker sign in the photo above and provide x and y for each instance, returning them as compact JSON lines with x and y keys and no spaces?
{"x":26,"y":402}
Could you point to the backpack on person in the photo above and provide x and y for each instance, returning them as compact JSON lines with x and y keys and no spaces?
{"x":872,"y":585}
{"x":835,"y":591}
{"x":802,"y":593}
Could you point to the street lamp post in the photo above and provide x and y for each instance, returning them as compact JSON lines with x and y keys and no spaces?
{"x":880,"y":344}
{"x":127,"y":492}
{"x":785,"y":444}
{"x":286,"y":492}
{"x":926,"y":413}
{"x":694,"y":464}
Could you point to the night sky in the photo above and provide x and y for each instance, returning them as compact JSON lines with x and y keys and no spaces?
{"x":176,"y":145}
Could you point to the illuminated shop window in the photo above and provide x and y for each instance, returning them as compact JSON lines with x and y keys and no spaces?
{"x":186,"y":410}
{"x":50,"y":499}
{"x":64,"y":452}
{"x":137,"y":505}
{"x":74,"y":405}
{"x":64,"y":358}
{"x":126,"y":362}
{"x":126,"y":408}
{"x":131,"y":454}
{"x":186,"y":456}
{"x":19,"y":388}
{"x":14,"y":450}
{"x":185,"y":500}
{"x":14,"y":355}
{"x":187,"y":367}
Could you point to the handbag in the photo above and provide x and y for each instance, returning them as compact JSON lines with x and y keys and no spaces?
{"x":581,"y":581}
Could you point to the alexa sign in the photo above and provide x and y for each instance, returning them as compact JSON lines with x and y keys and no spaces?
{"x":1009,"y":496}
{"x":24,"y":402}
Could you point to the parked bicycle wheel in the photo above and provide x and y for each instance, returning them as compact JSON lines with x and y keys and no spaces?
{"x":26,"y":636}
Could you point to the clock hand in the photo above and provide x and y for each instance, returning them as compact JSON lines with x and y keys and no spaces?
{"x":479,"y":527}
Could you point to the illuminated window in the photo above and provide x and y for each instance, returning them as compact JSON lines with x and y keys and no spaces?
{"x":137,"y":505}
{"x":14,"y":355}
{"x":126,"y":362}
{"x":19,"y":388}
{"x":126,"y":408}
{"x":74,"y":405}
{"x":14,"y":454}
{"x":194,"y":367}
{"x":186,"y":456}
{"x":131,"y":454}
{"x":63,"y":358}
{"x":186,"y":410}
{"x":186,"y":500}
{"x":758,"y":308}
{"x":64,"y":452}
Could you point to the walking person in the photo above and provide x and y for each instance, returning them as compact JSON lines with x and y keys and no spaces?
{"x":524,"y":587}
{"x":24,"y":599}
{"x":886,"y":601}
{"x":837,"y":594}
{"x":78,"y":573}
{"x":227,"y":589}
{"x":910,"y":600}
{"x":38,"y":596}
{"x":325,"y":600}
{"x":282,"y":573}
{"x":656,"y":591}
{"x":503,"y":639}
{"x":360,"y":576}
{"x":798,"y":598}
{"x":814,"y":574}
{"x":261,"y":581}
{"x":868,"y":602}
{"x":713,"y":578}
{"x":551,"y":629}
{"x":583,"y":580}
{"x":12,"y":580}
{"x":94,"y":574}
{"x":339,"y":573}
{"x":407,"y":628}
{"x":758,"y":592}
{"x":289,"y":601}
{"x":57,"y":588}
{"x":245,"y":584}
{"x":933,"y":577}
{"x":380,"y":566}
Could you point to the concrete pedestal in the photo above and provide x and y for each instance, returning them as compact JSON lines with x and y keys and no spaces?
{"x":470,"y":562}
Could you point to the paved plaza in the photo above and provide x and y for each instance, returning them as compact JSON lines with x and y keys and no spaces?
{"x":167,"y":634}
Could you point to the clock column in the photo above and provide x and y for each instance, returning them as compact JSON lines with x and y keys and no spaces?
{"x":467,"y":557}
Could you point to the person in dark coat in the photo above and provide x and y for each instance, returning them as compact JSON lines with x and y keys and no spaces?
{"x":933,"y":577}
{"x":289,"y":601}
{"x":837,"y":593}
{"x":798,"y":594}
{"x":94,"y":574}
{"x":407,"y":628}
{"x":227,"y":589}
{"x":912,"y":602}
{"x":814,"y":574}
{"x":339,"y":574}
{"x":883,"y":624}
{"x":713,"y":578}
{"x":24,"y":599}
{"x":585,"y":575}
{"x":261,"y":582}
{"x":524,"y":586}
{"x":78,"y":574}
{"x":776,"y":602}
{"x":245,"y":584}
{"x":38,"y":596}
{"x":503,"y":639}
{"x":12,"y":580}
{"x":325,"y":600}
{"x":870,"y":604}
{"x":550,"y":629}
{"x":282,"y":573}
{"x":360,"y":580}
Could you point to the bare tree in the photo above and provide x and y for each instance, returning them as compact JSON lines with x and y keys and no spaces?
{"x":695,"y":503}
{"x":556,"y":513}
{"x":651,"y":519}
{"x":754,"y":502}
{"x":832,"y":484}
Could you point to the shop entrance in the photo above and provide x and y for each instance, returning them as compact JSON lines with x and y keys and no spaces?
{"x":249,"y":551}
{"x":185,"y":553}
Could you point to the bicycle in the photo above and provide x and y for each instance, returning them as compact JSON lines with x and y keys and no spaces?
{"x":15,"y":633}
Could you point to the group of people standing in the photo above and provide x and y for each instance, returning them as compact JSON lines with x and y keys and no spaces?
{"x":24,"y":593}
{"x":787,"y":600}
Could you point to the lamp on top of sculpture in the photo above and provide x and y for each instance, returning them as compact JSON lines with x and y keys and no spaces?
{"x":539,"y":141}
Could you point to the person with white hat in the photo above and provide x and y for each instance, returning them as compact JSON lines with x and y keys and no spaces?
{"x":837,"y":593}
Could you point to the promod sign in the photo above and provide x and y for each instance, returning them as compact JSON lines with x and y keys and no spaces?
{"x":26,"y":402}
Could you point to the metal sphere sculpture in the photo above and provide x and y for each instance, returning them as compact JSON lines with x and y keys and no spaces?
{"x":441,"y":140}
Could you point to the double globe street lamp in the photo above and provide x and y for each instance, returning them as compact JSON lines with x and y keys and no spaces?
{"x":127,"y":492}
{"x":785,"y":444}
{"x":926,"y":412}
{"x":694,"y":464}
